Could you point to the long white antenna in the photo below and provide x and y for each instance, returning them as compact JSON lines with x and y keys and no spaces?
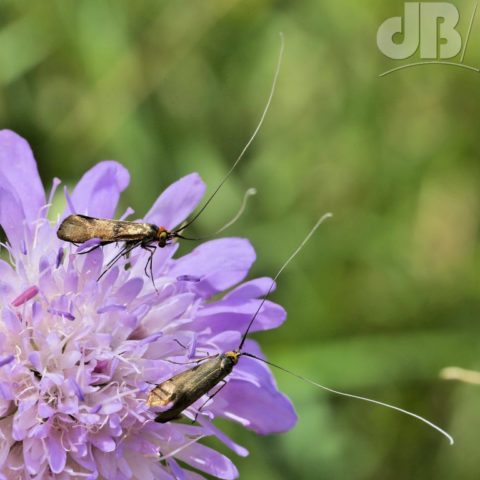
{"x":254,"y":134}
{"x":358,"y":397}
{"x":249,"y":193}
{"x":282,"y":268}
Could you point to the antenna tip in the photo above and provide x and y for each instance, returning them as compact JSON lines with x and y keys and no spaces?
{"x":324,"y":217}
{"x":251,"y":191}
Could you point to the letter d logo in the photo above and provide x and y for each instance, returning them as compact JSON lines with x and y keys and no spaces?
{"x":411,"y":33}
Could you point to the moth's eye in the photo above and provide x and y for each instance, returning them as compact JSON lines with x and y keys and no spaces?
{"x":162,"y":238}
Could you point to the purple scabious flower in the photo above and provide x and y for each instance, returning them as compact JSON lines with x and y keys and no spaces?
{"x":78,"y":356}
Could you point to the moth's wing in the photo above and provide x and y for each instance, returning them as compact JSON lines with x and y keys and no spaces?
{"x":80,"y":228}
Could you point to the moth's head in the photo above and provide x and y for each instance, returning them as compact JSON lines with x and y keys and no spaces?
{"x":230,"y":359}
{"x":163,"y":236}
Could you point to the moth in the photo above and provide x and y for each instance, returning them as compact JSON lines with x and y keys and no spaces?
{"x":78,"y":229}
{"x":182,"y":390}
{"x":81,"y":228}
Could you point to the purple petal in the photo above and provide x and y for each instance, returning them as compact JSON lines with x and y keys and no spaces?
{"x":150,"y":339}
{"x":106,"y":465}
{"x":192,"y":349}
{"x":112,"y":307}
{"x":76,"y":388}
{"x":177,"y":202}
{"x":252,"y":289}
{"x":87,"y":461}
{"x":231,"y":315}
{"x":11,"y":217}
{"x":166,"y":313}
{"x":34,"y":455}
{"x":44,"y":410}
{"x":98,"y":191}
{"x":112,"y":406}
{"x":220,"y":263}
{"x":43,"y":264}
{"x":24,"y":419}
{"x":37,"y":312}
{"x":189,"y":475}
{"x":257,"y":400}
{"x":56,"y":454}
{"x":212,"y":429}
{"x":6,"y":360}
{"x":92,"y":266}
{"x":36,"y":361}
{"x":6,"y":391}
{"x":209,"y":461}
{"x":103,"y":442}
{"x":18,"y":169}
{"x":93,"y":242}
{"x":68,"y":198}
{"x":7,"y":274}
{"x":177,"y":471}
{"x":141,"y":311}
{"x":129,"y":290}
{"x":11,"y":321}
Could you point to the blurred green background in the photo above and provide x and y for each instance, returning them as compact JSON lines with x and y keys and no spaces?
{"x":388,"y":292}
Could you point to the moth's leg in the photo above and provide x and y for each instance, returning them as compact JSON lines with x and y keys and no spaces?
{"x":149,"y":265}
{"x":93,"y":248}
{"x":124,"y":251}
{"x":207,"y":354}
{"x":197,"y":361}
{"x":180,"y":343}
{"x":149,"y":271}
{"x":210,"y":397}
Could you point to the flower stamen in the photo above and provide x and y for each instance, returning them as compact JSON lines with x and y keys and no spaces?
{"x":25,"y":296}
{"x":61,"y":313}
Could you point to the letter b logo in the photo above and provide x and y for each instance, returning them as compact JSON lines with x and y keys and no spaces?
{"x":430,"y":26}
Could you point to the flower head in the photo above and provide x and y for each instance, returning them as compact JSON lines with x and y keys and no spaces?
{"x":78,"y":356}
